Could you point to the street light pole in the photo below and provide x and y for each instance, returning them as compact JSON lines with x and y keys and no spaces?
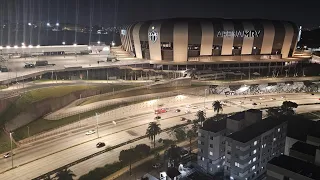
{"x":11,"y":150}
{"x":97,"y":118}
{"x":28,"y":131}
{"x":204,"y":101}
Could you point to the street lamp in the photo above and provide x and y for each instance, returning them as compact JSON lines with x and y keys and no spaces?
{"x":204,"y":101}
{"x":11,"y":149}
{"x":29,"y":24}
{"x":98,"y":42}
{"x":64,"y":43}
{"x":97,"y":118}
{"x":48,"y":24}
{"x":57,"y":24}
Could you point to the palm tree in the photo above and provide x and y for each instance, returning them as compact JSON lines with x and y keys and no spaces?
{"x":152,"y":131}
{"x":217,"y":106}
{"x":201,"y":116}
{"x":191,"y":134}
{"x":65,"y":174}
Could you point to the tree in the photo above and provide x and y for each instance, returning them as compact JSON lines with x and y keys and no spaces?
{"x":179,"y":133}
{"x":142,"y":150}
{"x":127,"y":155}
{"x":191,"y":134}
{"x":195,"y":126}
{"x":173,"y":154}
{"x":274,"y":112}
{"x":217,"y":106}
{"x":153,"y":130}
{"x":65,"y":174}
{"x":287,"y":107}
{"x":201,"y":116}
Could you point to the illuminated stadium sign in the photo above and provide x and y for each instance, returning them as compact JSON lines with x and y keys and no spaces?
{"x":153,"y":36}
{"x":251,"y":34}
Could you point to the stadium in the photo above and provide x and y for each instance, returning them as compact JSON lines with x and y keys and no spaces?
{"x":215,"y":44}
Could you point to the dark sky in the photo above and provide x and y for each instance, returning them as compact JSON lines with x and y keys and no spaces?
{"x":304,"y":13}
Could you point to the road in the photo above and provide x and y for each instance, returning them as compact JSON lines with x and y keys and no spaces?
{"x":17,"y":69}
{"x":41,"y":157}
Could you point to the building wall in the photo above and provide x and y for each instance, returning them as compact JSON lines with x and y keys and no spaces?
{"x":213,"y":37}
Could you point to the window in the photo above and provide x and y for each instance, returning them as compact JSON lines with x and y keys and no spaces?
{"x":211,"y":145}
{"x":253,"y":168}
{"x":254,"y":159}
{"x":202,"y":158}
{"x":278,"y":129}
{"x":254,"y":151}
{"x":211,"y":153}
{"x":236,"y":164}
{"x":211,"y":137}
{"x":249,"y":162}
{"x":255,"y":143}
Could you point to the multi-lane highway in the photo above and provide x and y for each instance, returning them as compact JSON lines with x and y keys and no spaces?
{"x":32,"y":160}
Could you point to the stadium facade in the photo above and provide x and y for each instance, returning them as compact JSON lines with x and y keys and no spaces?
{"x":197,"y":41}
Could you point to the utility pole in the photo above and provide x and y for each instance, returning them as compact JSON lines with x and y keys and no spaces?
{"x":28,"y":131}
{"x":11,"y":150}
{"x":204,"y":101}
{"x":97,"y":118}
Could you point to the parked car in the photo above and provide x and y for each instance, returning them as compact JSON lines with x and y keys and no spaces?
{"x":183,"y":119}
{"x":178,"y":110}
{"x":7,"y":155}
{"x":29,"y":65}
{"x":254,"y":104}
{"x":90,"y":132}
{"x":100,"y":144}
{"x":157,"y":118}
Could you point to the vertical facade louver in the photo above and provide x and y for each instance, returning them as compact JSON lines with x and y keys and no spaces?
{"x":180,"y":39}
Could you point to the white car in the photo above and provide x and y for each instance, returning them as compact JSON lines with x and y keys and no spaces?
{"x":194,"y":107}
{"x":7,"y":155}
{"x":261,"y":98}
{"x":273,"y":99}
{"x":187,"y":111}
{"x":90,"y":132}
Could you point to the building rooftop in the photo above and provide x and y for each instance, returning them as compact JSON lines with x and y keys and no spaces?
{"x":253,"y":110}
{"x":213,"y":125}
{"x":304,"y":125}
{"x":296,"y":165}
{"x":256,"y":129}
{"x":238,"y":116}
{"x":304,"y":148}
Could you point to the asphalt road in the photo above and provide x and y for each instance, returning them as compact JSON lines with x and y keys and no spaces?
{"x":17,"y":69}
{"x":41,"y":157}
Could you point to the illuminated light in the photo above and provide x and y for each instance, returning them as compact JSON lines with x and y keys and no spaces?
{"x":48,"y":24}
{"x":15,"y":46}
{"x":30,"y":46}
{"x":63,"y":43}
{"x":98,"y":42}
{"x":57,"y":24}
{"x":152,"y":27}
{"x":74,"y":44}
{"x":1,"y":47}
{"x":8,"y":47}
{"x":254,"y":47}
{"x":23,"y":46}
{"x":38,"y":46}
{"x":29,"y":24}
{"x":89,"y":47}
{"x":113,"y":43}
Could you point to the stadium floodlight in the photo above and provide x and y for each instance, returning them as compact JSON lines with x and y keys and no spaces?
{"x":64,"y":43}
{"x":57,"y":24}
{"x":30,"y":46}
{"x":8,"y":47}
{"x":15,"y":46}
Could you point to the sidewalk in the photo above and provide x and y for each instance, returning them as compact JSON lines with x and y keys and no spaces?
{"x":136,"y":164}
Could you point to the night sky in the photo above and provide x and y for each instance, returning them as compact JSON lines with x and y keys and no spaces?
{"x":301,"y":12}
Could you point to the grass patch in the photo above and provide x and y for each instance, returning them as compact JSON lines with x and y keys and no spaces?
{"x":5,"y":142}
{"x":42,"y":125}
{"x":32,"y":96}
{"x":3,"y":87}
{"x":136,"y":92}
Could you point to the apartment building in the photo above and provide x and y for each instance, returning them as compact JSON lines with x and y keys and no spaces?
{"x":249,"y":150}
{"x":211,"y":138}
